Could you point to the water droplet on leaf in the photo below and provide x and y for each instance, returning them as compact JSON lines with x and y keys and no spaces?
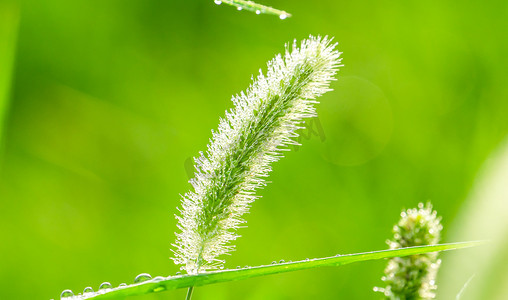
{"x":142,"y":277}
{"x":282,"y":261}
{"x":105,"y":285}
{"x":87,"y":290}
{"x":218,"y":2}
{"x":66,"y":293}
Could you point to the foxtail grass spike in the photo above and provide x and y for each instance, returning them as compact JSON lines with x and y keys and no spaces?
{"x":252,"y":135}
{"x":254,"y":7}
{"x":413,"y":277}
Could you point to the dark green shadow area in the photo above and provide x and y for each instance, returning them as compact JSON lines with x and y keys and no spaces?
{"x":9,"y":19}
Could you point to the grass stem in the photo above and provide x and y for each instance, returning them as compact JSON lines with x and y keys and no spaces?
{"x":189,"y":293}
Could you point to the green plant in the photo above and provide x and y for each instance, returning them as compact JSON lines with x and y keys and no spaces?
{"x":254,"y":7}
{"x":413,"y":277}
{"x":251,"y":136}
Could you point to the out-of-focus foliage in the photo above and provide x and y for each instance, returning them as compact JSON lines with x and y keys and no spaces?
{"x":110,"y":99}
{"x":485,"y":215}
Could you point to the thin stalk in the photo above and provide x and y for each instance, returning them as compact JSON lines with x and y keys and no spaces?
{"x":189,"y":293}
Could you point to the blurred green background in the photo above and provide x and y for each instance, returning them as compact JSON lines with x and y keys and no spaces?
{"x":102,"y":103}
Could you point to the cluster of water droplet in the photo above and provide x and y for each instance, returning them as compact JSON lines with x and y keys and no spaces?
{"x":104,"y":287}
{"x":88,"y":292}
{"x":282,"y":16}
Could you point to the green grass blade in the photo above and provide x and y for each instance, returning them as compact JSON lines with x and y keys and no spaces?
{"x":254,"y":7}
{"x":159,"y":284}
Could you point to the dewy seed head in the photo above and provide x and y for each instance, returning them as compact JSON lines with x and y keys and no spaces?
{"x":252,"y":135}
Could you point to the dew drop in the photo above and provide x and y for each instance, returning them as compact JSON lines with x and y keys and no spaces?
{"x":105,"y":285}
{"x":66,"y":294}
{"x":274,"y":262}
{"x":246,"y":267}
{"x":142,"y":277}
{"x":122,"y":284}
{"x":178,"y":273}
{"x":283,"y":16}
{"x":258,"y":12}
{"x":338,"y":255}
{"x":307,"y":259}
{"x":221,"y":267}
{"x":158,"y":278}
{"x":87,"y":290}
{"x":239,"y":8}
{"x":218,"y":2}
{"x":282,"y":261}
